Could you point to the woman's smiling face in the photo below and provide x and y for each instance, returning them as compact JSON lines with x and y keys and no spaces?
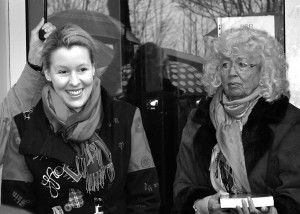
{"x":71,"y":73}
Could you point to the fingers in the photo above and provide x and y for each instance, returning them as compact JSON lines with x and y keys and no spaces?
{"x":251,"y":206}
{"x":36,"y":45}
{"x":264,"y":209}
{"x":244,"y":209}
{"x":247,"y":209}
{"x":213,"y":203}
{"x":273,"y":210}
{"x":239,"y":210}
{"x":49,"y":28}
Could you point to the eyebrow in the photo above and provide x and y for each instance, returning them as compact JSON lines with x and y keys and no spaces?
{"x":226,"y":58}
{"x":62,"y":66}
{"x":242,"y":58}
{"x":83,"y":64}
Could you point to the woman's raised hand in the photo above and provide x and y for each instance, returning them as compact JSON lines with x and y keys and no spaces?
{"x":36,"y":45}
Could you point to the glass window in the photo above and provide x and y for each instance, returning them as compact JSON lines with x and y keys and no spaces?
{"x":151,"y":55}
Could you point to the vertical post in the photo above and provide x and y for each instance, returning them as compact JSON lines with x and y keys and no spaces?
{"x":17,"y":38}
{"x":4,"y":49}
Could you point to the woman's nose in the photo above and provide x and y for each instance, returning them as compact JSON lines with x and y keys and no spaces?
{"x":233,"y":70}
{"x":74,"y":79}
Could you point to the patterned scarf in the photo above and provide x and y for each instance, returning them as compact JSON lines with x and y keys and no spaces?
{"x":228,"y":118}
{"x":93,"y":158}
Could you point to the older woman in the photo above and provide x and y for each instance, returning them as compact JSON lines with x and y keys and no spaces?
{"x":78,"y":150}
{"x":246,"y":138}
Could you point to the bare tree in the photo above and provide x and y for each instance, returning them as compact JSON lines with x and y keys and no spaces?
{"x":213,"y":8}
{"x":209,"y":11}
{"x":151,"y":20}
{"x":61,"y":5}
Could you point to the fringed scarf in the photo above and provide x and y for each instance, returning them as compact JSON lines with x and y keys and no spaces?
{"x":93,"y":158}
{"x":228,"y":118}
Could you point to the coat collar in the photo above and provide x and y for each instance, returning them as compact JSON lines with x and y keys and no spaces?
{"x":266,"y":112}
{"x":257,"y":136}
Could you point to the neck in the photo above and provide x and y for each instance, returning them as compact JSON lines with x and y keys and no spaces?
{"x":253,"y":95}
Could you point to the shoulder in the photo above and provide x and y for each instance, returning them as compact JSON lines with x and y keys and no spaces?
{"x":123,"y":104}
{"x":114,"y":108}
{"x":282,"y":117}
{"x":292,"y":114}
{"x":111,"y":103}
{"x":123,"y":109}
{"x":289,"y":127}
{"x":280,"y":111}
{"x":33,"y":116}
{"x":269,"y":112}
{"x":28,"y":114}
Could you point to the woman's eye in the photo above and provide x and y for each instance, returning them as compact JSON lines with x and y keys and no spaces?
{"x":242,"y":64}
{"x":62,"y":71}
{"x":225,"y":65}
{"x":83,"y":69}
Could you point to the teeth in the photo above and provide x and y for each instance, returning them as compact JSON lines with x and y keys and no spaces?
{"x":75,"y":92}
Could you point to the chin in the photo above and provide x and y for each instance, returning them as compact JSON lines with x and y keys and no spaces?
{"x":76,"y":103}
{"x":76,"y":106}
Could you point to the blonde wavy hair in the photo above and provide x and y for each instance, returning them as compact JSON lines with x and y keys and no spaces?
{"x":67,"y":36}
{"x":274,"y":67}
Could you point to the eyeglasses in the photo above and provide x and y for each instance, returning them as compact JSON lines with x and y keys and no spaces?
{"x":239,"y":65}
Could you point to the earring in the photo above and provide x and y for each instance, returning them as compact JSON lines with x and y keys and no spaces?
{"x":260,"y":83}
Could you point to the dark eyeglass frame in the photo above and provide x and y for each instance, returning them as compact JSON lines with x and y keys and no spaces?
{"x":239,"y":66}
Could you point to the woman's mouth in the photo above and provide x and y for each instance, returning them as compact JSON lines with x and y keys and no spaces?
{"x":233,"y":84}
{"x":74,"y":93}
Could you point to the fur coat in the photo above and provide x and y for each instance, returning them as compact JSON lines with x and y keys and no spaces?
{"x":271,"y":140}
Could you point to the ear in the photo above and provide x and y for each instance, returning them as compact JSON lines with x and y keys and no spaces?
{"x":93,"y":70}
{"x":47,"y":75}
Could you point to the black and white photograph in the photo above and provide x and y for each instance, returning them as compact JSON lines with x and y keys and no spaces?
{"x":150,"y":107}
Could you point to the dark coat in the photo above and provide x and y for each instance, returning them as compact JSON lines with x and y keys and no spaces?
{"x":46,"y":155}
{"x":271,"y":140}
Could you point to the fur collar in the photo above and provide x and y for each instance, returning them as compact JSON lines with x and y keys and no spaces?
{"x":257,"y":135}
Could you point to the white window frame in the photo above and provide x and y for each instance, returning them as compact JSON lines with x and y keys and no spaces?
{"x":12,"y":46}
{"x":12,"y":43}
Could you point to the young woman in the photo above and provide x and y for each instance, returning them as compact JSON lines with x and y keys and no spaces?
{"x":79,"y":150}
